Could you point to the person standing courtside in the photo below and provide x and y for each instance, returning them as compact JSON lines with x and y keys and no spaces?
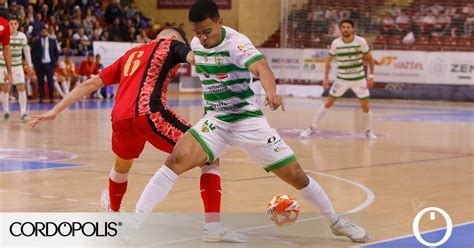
{"x":44,"y":54}
{"x":5,"y":75}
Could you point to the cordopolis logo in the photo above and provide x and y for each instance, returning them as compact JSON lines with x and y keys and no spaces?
{"x":64,"y":229}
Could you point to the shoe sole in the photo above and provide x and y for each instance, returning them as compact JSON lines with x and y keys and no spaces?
{"x":364,"y":239}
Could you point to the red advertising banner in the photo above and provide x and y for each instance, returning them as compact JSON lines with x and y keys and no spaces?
{"x":184,"y":4}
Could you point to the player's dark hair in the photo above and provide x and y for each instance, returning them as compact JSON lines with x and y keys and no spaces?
{"x":203,"y":9}
{"x":346,"y":21}
{"x":14,"y":18}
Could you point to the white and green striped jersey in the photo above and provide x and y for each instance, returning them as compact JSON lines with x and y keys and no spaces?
{"x":223,"y":71}
{"x":350,"y":65}
{"x":17,"y":43}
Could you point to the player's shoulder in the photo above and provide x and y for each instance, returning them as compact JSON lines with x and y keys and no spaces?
{"x":232,"y":36}
{"x":195,"y":44}
{"x":360,"y":39}
{"x":337,"y":42}
{"x":21,"y":35}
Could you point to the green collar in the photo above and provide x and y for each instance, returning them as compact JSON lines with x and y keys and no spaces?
{"x":222,"y":37}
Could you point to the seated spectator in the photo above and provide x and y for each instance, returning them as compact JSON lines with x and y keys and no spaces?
{"x":428,"y":23}
{"x":444,"y":22}
{"x":388,"y":25}
{"x":89,"y":21}
{"x":394,"y":11}
{"x":143,"y":37}
{"x":65,"y":74}
{"x":436,"y":9}
{"x":117,"y":30}
{"x":112,"y":12}
{"x":81,"y":42}
{"x":88,"y":68}
{"x":130,"y":10}
{"x":140,"y":21}
{"x":402,"y":21}
{"x":97,"y":32}
{"x":131,"y":35}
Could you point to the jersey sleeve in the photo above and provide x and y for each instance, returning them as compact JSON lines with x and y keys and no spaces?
{"x":332,"y":49}
{"x":6,"y":33}
{"x":180,"y":51}
{"x":364,"y":47}
{"x":111,"y":74}
{"x":245,"y":53}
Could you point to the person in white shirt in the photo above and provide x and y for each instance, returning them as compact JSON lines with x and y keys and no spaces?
{"x":19,"y":47}
{"x":350,"y":51}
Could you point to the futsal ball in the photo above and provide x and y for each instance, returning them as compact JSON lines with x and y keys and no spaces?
{"x":283,"y":210}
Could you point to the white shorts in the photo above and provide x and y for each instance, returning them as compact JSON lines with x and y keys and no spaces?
{"x":264,"y":145}
{"x":18,"y":75}
{"x":359,"y":87}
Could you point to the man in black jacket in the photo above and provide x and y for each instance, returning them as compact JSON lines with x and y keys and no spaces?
{"x":44,"y":53}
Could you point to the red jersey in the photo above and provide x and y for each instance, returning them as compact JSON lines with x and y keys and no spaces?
{"x":144,"y":73}
{"x":87,"y":69}
{"x":4,"y":31}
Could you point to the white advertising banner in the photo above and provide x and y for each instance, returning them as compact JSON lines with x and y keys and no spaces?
{"x":111,"y":51}
{"x":456,"y":68}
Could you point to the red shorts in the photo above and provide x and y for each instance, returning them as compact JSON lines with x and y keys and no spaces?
{"x":130,"y":135}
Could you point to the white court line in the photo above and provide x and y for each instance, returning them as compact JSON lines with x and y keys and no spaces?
{"x":47,"y":169}
{"x":410,"y":235}
{"x":49,"y":196}
{"x":71,"y":200}
{"x":370,"y":198}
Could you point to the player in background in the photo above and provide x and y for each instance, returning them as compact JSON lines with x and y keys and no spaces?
{"x":225,"y":60}
{"x":65,"y":75}
{"x":351,"y":51}
{"x":5,"y":63}
{"x":141,"y":114}
{"x":18,"y":44}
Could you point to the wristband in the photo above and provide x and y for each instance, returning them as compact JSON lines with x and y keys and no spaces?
{"x":371,"y":76}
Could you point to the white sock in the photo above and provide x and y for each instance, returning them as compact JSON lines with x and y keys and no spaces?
{"x":314,"y":194}
{"x":210,"y":168}
{"x":117,"y":176}
{"x":5,"y":102}
{"x":319,"y":116}
{"x":23,"y":101}
{"x":156,"y":190}
{"x":58,"y":88}
{"x":66,"y":86}
{"x":367,"y":120}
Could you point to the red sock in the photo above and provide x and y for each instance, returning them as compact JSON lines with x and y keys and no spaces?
{"x":211,"y":194}
{"x":117,"y":188}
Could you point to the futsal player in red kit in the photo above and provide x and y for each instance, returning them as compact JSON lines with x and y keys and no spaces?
{"x":141,"y":114}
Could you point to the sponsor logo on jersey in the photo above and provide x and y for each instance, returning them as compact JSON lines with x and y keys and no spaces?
{"x":271,"y":140}
{"x":1,"y":28}
{"x":222,"y":76}
{"x":241,"y":48}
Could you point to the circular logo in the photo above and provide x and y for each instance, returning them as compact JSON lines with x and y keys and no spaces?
{"x":416,"y":226}
{"x":35,"y":155}
{"x":438,"y":67}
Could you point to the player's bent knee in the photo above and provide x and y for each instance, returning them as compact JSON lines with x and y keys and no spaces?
{"x":294,"y":175}
{"x":123,"y":165}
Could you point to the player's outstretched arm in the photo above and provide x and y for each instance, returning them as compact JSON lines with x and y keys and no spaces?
{"x":370,"y":60}
{"x":78,"y":93}
{"x":262,"y":70}
{"x":190,"y":58}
